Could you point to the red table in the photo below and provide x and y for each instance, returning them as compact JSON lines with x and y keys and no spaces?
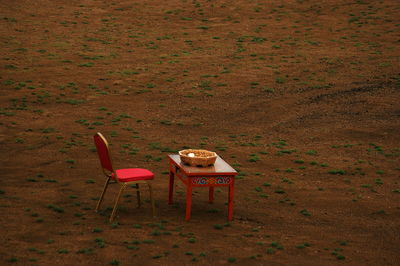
{"x":220,"y":174}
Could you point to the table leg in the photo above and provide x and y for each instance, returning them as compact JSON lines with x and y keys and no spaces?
{"x":188,"y":200}
{"x":210,"y":194}
{"x":230,"y":201}
{"x":171,"y":185}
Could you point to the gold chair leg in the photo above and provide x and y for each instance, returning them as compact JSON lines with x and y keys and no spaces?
{"x":102,"y":194}
{"x":153,"y":206}
{"x":116,"y":202}
{"x":138,"y":195}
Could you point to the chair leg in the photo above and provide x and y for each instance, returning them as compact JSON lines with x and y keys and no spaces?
{"x":153,"y":206}
{"x":116,"y":202}
{"x":102,"y":194}
{"x":138,"y":195}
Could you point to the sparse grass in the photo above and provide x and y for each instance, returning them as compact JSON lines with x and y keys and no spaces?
{"x":205,"y":74}
{"x":231,"y":259}
{"x":218,"y":226}
{"x":305,"y":212}
{"x":302,"y":246}
{"x":55,"y":208}
{"x":63,"y":251}
{"x":337,"y":172}
{"x":311,"y":152}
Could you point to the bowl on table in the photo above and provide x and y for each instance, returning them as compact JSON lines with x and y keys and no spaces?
{"x":201,"y":158}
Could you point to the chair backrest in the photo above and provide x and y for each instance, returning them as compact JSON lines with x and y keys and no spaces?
{"x":104,"y":153}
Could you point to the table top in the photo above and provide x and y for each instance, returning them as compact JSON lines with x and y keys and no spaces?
{"x":219,"y":168}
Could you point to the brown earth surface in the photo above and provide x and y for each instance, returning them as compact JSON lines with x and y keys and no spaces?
{"x":300,"y":97}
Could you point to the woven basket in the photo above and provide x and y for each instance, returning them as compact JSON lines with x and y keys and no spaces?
{"x":201,"y":157}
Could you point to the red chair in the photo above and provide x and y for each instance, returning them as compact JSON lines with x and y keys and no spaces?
{"x":124,"y":177}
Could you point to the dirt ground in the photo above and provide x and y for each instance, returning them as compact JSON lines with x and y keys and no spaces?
{"x":300,"y":97}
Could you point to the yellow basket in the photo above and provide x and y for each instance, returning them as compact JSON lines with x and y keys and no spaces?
{"x":200,"y":157}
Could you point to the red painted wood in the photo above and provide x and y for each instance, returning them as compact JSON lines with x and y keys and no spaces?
{"x":230,"y":201}
{"x":171,"y":185}
{"x":219,"y":168}
{"x":211,"y":194}
{"x":203,"y":177}
{"x":188,"y":201}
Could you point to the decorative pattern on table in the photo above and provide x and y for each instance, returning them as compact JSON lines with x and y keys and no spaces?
{"x":220,"y":180}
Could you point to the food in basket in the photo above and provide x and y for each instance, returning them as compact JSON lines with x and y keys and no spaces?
{"x":198,"y":157}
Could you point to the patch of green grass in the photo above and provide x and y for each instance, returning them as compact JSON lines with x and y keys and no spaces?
{"x":10,"y":67}
{"x":166,"y":122}
{"x":337,"y":172}
{"x":280,"y":80}
{"x":270,"y":250}
{"x":97,"y":230}
{"x":55,"y":208}
{"x":311,"y":152}
{"x":287,"y":180}
{"x":302,"y":246}
{"x":100,"y":241}
{"x":281,"y":152}
{"x":114,"y":262}
{"x":218,"y":226}
{"x":254,"y":158}
{"x":89,"y":64}
{"x":74,"y":101}
{"x":115,"y":225}
{"x":231,"y":259}
{"x":19,"y":140}
{"x":276,"y":245}
{"x":63,"y":251}
{"x":12,"y":259}
{"x":305,"y":212}
{"x":85,"y":251}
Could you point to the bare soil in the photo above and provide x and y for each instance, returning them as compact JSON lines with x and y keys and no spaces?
{"x":300,"y":97}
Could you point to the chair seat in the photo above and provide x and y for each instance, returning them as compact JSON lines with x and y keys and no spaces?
{"x":133,"y":174}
